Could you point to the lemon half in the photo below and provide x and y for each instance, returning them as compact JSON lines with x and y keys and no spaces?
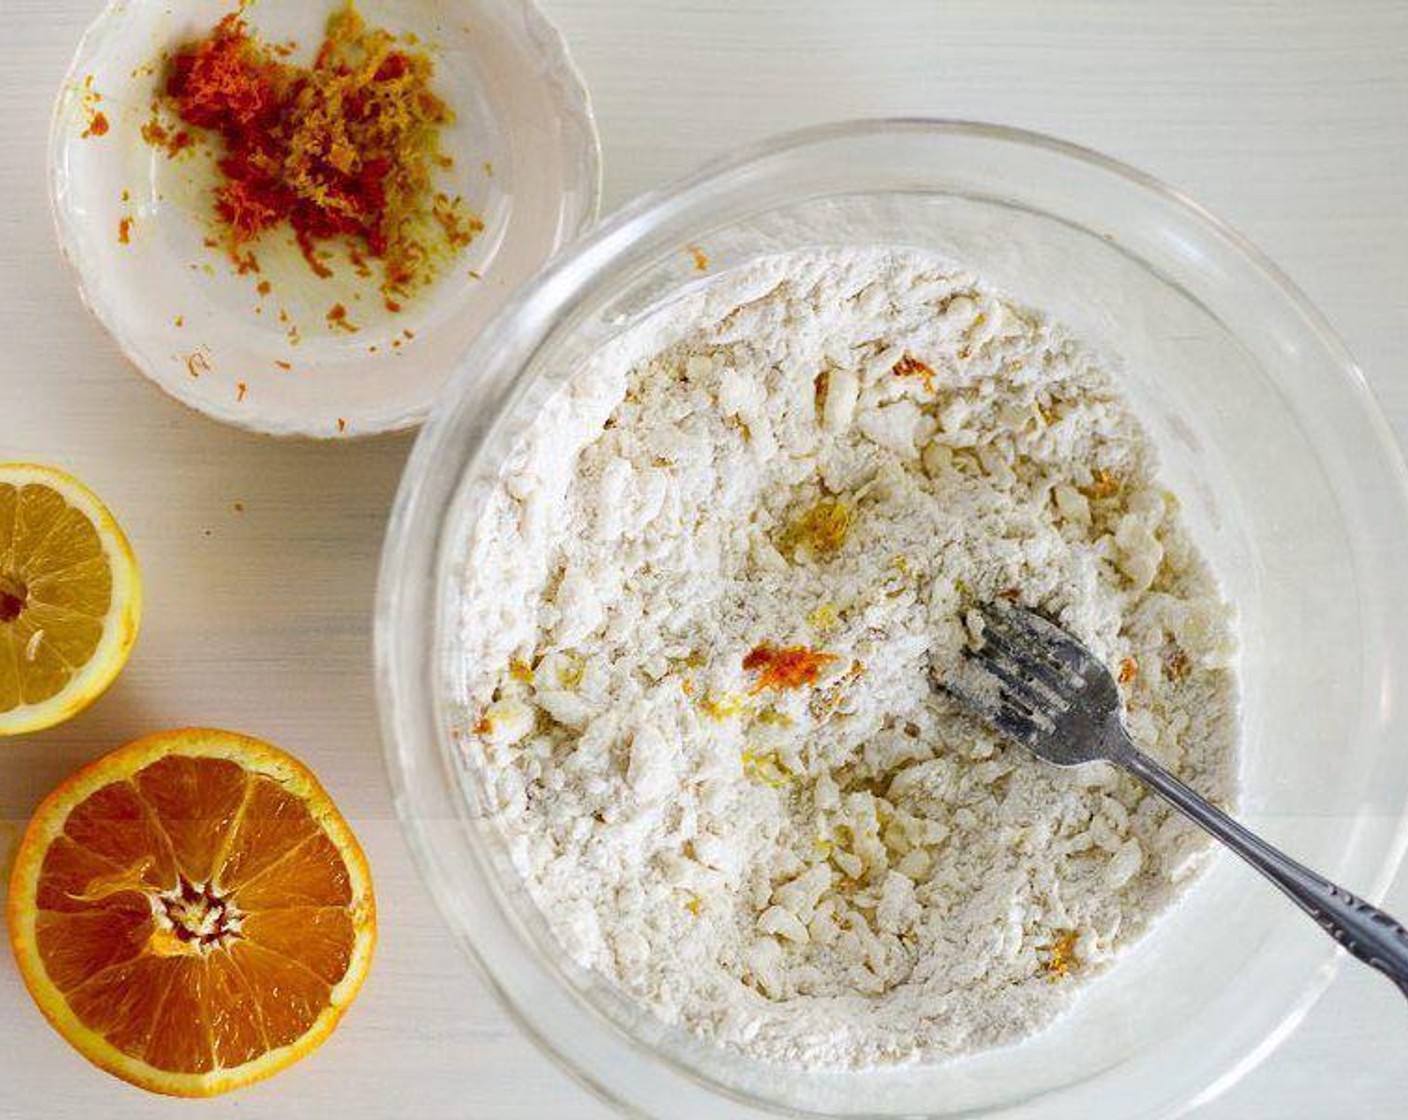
{"x":70,"y":597}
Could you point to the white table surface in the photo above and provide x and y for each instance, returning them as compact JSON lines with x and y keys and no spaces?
{"x":1288,"y":119}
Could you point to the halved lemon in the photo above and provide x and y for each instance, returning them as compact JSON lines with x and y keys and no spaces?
{"x":70,"y":597}
{"x":191,"y":912}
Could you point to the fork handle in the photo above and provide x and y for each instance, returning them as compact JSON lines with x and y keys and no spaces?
{"x":1376,"y":938}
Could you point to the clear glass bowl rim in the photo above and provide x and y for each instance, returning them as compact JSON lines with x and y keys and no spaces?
{"x":482,"y":387}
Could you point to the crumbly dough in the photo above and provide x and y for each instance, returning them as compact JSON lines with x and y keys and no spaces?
{"x":700,"y":612}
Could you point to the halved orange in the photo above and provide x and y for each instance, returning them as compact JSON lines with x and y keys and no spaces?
{"x":191,"y":912}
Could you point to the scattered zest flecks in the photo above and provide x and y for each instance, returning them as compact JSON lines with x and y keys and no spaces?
{"x":782,"y":668}
{"x":1061,"y":955}
{"x":910,"y":366}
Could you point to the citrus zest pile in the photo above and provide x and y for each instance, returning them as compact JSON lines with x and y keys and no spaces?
{"x":191,"y":912}
{"x":344,"y":148}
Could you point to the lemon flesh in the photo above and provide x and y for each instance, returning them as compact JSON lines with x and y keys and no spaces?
{"x":68,"y":598}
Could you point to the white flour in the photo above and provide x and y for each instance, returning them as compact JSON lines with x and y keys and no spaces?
{"x":836,"y":451}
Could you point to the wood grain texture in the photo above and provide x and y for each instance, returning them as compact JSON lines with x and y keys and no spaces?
{"x":1288,"y":119}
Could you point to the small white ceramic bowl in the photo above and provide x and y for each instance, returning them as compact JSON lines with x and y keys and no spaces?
{"x":526,"y":160}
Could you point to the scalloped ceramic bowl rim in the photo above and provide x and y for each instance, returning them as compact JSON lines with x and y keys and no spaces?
{"x":548,"y":39}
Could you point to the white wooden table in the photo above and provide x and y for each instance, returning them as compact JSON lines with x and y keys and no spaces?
{"x":1288,"y":119}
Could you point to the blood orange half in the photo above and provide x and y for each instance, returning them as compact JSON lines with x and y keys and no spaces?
{"x":192,"y":912}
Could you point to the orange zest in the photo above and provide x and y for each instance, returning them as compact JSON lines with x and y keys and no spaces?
{"x":781,"y":668}
{"x":191,"y":912}
{"x":344,"y":148}
{"x":910,"y":366}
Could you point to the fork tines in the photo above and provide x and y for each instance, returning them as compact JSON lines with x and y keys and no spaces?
{"x":1033,"y":670}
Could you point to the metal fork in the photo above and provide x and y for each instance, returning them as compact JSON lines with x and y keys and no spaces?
{"x":1037,"y":685}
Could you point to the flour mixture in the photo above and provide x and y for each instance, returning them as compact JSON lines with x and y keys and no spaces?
{"x":703,"y":606}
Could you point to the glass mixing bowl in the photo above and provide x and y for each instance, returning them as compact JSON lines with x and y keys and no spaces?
{"x":1289,"y":478}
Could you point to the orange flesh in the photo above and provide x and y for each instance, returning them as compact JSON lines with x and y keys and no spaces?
{"x":195,"y":915}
